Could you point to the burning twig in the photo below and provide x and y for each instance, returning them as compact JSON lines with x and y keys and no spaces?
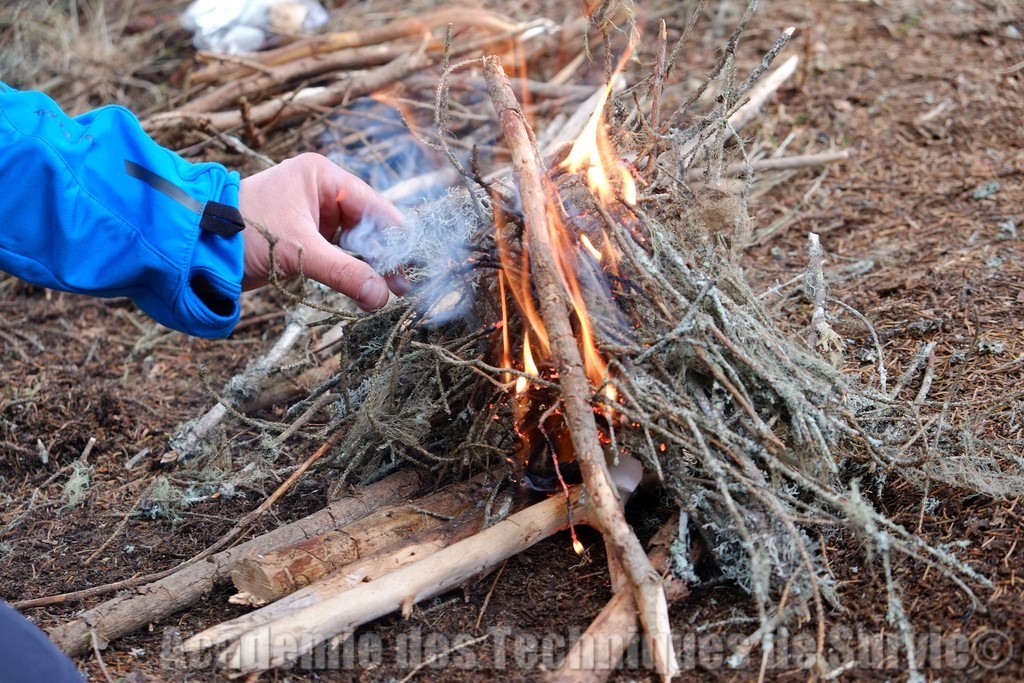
{"x":576,"y":390}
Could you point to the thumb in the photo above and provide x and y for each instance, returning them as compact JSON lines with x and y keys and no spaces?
{"x":343,"y":273}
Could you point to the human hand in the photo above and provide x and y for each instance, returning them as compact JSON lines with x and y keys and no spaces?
{"x":302,"y":202}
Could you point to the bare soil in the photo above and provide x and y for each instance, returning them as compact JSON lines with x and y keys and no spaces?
{"x":921,"y":227}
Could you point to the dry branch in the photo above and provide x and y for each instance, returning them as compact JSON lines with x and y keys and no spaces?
{"x":756,"y":98}
{"x":285,"y":109}
{"x":344,"y":40}
{"x":414,"y":549}
{"x":786,"y":163}
{"x":131,"y":611}
{"x":762,"y":90}
{"x":271,"y":575}
{"x":281,"y":74}
{"x":596,"y":654}
{"x":576,"y":390}
{"x":190,"y":437}
{"x":281,"y":641}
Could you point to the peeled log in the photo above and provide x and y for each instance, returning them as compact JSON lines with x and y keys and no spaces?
{"x":413,"y":549}
{"x":304,"y":628}
{"x":271,"y":575}
{"x":134,"y":609}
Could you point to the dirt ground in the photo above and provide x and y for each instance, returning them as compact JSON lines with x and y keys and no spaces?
{"x":921,"y":227}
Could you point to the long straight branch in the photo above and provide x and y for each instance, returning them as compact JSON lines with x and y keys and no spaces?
{"x":576,"y":389}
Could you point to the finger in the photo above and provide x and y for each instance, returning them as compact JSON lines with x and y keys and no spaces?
{"x":327,"y":264}
{"x":398,"y":282}
{"x":346,"y":200}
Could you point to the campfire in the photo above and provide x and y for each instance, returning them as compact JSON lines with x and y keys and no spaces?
{"x":578,"y":322}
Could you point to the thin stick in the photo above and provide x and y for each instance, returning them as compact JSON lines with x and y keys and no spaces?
{"x":595,"y":655}
{"x":487,"y":598}
{"x":190,"y":437}
{"x":99,"y":658}
{"x":756,"y":99}
{"x":442,"y":655}
{"x":778,"y":164}
{"x":576,"y":390}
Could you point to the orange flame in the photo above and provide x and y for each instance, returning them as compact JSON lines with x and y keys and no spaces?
{"x":506,"y":344}
{"x":589,"y":246}
{"x":528,"y":366}
{"x":593,"y":152}
{"x":609,"y":178}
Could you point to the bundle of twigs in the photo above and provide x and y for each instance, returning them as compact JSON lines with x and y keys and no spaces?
{"x":754,"y":433}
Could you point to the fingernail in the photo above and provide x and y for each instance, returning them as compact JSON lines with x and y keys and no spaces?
{"x":373,"y":293}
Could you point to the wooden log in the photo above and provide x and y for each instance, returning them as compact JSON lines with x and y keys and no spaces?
{"x":596,"y":654}
{"x":132,"y":610}
{"x":283,"y":640}
{"x":576,"y":389}
{"x":413,"y":549}
{"x":271,"y":575}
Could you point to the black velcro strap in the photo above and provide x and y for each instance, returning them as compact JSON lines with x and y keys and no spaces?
{"x":221,"y":219}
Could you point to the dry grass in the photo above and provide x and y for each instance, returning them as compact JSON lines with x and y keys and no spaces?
{"x":89,"y":53}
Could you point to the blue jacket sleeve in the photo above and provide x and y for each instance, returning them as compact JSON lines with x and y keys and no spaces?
{"x":93,"y":205}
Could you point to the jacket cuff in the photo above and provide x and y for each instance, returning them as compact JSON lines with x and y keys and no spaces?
{"x":207,"y":304}
{"x":93,"y":205}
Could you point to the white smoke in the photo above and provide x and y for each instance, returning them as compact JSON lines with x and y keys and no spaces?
{"x":431,"y":249}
